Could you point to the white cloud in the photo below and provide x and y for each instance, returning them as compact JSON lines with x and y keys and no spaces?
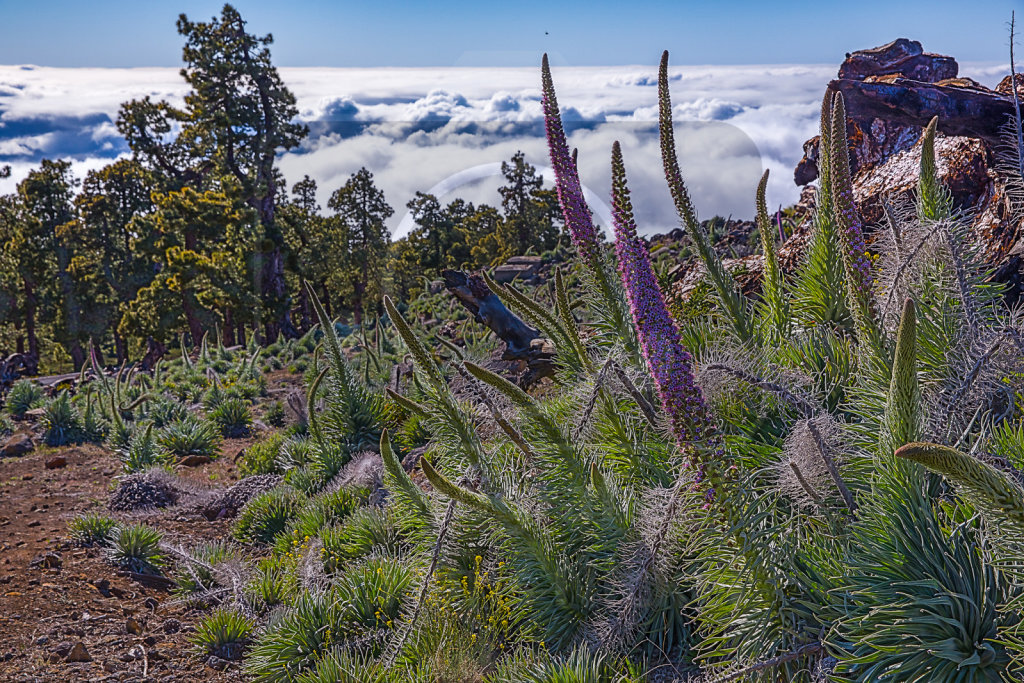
{"x":417,"y":128}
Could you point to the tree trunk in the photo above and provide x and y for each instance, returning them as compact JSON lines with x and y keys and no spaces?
{"x":77,"y":356}
{"x":120,"y":348}
{"x":30,"y":322}
{"x":195,"y":328}
{"x":325,"y":299}
{"x":154,"y":351}
{"x":304,"y":308}
{"x":229,"y":328}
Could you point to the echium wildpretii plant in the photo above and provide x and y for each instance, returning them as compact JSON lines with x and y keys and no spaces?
{"x":745,"y":497}
{"x":578,"y":217}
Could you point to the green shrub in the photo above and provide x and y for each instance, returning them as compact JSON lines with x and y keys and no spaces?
{"x":262,"y":456}
{"x":143,"y":452}
{"x":189,"y":436}
{"x":274,"y":415}
{"x":372,"y":595}
{"x":323,"y":511}
{"x":91,"y":529}
{"x":163,"y":412}
{"x":274,"y":583}
{"x":225,"y":633}
{"x":6,"y":426}
{"x":23,"y":396}
{"x":232,"y":418}
{"x":367,"y":531}
{"x":136,"y":548}
{"x":267,"y":515}
{"x":62,"y":423}
{"x":295,"y":642}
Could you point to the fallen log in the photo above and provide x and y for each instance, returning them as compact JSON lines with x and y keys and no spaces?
{"x":522,"y":342}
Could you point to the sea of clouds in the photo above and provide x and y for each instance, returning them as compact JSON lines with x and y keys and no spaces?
{"x":447,"y":130}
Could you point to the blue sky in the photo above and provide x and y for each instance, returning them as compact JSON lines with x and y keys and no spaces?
{"x":458,"y":32}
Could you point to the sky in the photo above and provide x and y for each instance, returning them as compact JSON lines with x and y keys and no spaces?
{"x":434,"y":96}
{"x":474,"y":33}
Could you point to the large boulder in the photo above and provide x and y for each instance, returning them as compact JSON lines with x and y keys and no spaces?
{"x":891,"y":93}
{"x":901,"y":56}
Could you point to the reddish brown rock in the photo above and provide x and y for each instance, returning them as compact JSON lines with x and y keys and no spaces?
{"x":901,"y":56}
{"x":56,"y":462}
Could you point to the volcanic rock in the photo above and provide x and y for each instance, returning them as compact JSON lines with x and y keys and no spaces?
{"x":16,"y":446}
{"x":152,"y":489}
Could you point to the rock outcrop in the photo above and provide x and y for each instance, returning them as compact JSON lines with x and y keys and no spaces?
{"x":891,"y":93}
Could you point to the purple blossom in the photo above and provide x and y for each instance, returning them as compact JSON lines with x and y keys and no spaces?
{"x":567,"y":180}
{"x":670,"y":363}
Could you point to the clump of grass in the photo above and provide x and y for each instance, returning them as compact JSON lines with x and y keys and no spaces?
{"x":262,"y":457}
{"x":6,"y":426}
{"x":267,"y":515}
{"x":225,"y":634}
{"x":143,"y":452}
{"x":91,"y":529}
{"x":232,"y":418}
{"x":136,"y":548}
{"x":368,"y":531}
{"x":62,"y":423}
{"x":23,"y":396}
{"x":323,"y":511}
{"x":298,"y":640}
{"x":274,"y":414}
{"x":163,"y":412}
{"x":273,"y":584}
{"x":189,"y":436}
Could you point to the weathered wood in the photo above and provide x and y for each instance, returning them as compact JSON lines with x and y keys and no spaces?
{"x":961,"y":111}
{"x":522,"y":342}
{"x":473,"y":293}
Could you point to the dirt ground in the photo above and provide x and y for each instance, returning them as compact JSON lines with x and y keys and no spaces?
{"x":56,"y":599}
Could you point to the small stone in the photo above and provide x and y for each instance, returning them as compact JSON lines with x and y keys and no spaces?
{"x":79,"y":653}
{"x":216,"y":663}
{"x":51,"y":560}
{"x":56,"y":462}
{"x":42,"y":640}
{"x":34,"y":415}
{"x":61,"y":649}
{"x":111,"y":667}
{"x":195,"y":460}
{"x":133,"y":627}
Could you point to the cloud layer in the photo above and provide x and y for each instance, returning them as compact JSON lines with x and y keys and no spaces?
{"x":446,"y":130}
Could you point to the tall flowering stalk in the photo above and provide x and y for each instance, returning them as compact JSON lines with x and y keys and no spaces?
{"x":577,"y":215}
{"x":732,"y":300}
{"x":670,"y":363}
{"x":856,"y":263}
{"x":567,"y":180}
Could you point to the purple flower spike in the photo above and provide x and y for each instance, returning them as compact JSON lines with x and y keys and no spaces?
{"x":670,"y":363}
{"x":567,"y":179}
